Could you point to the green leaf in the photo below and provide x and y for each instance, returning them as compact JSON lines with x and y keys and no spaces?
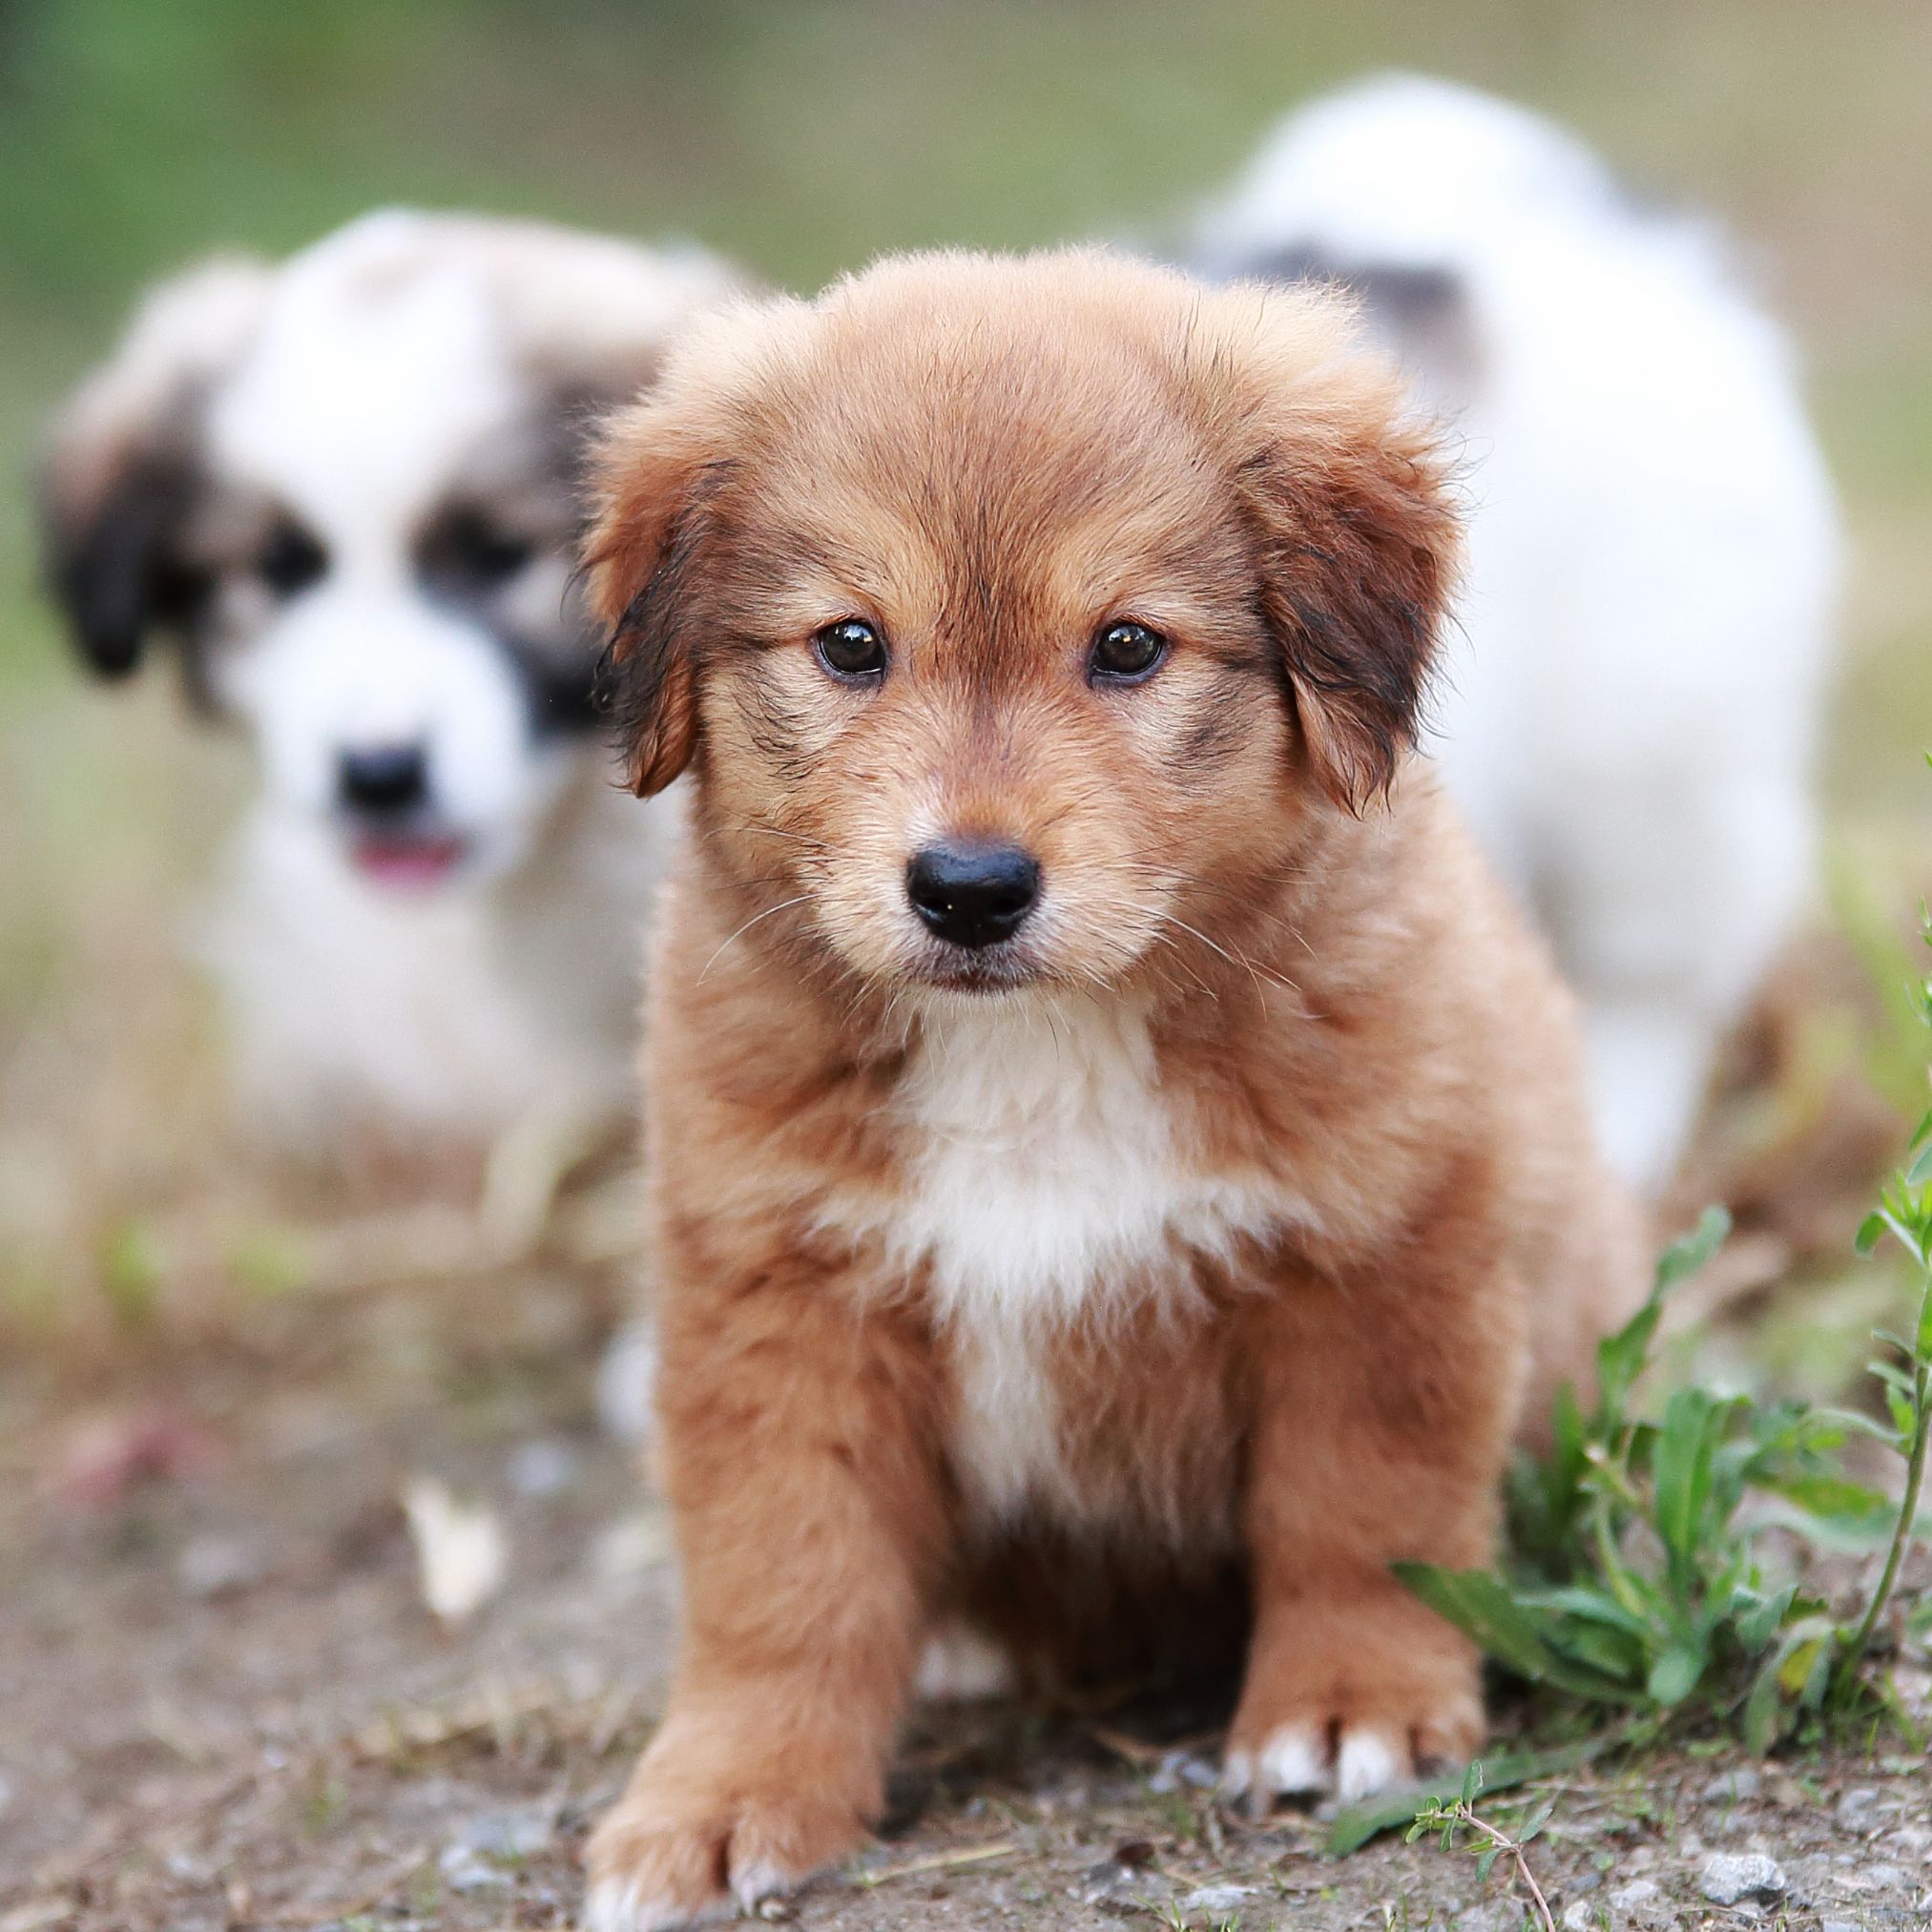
{"x":1759,"y":1622}
{"x":1585,"y":1600}
{"x":1904,"y":1236}
{"x":1793,"y":1675}
{"x":1484,"y":1610}
{"x":1763,"y":1715}
{"x":1871,"y":1232}
{"x":1853,"y":1422}
{"x":1682,"y":1474}
{"x":1675,"y":1675}
{"x":1905,"y":1416}
{"x":1616,"y":1652}
{"x":1689,"y":1253}
{"x":1620,"y":1358}
{"x":1796,"y":1666}
{"x":1835,"y":1501}
{"x":1920,"y":1169}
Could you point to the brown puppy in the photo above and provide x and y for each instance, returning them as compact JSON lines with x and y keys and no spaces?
{"x":1118,"y":1153}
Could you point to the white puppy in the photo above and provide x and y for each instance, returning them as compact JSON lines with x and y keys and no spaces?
{"x":1646,"y":624}
{"x":346,"y":489}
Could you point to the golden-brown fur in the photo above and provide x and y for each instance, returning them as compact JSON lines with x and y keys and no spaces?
{"x":1207,"y":1242}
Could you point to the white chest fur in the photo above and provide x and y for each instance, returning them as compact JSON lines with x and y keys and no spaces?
{"x":1050,"y":1182}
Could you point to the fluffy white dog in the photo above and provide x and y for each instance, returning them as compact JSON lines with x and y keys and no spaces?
{"x":346,"y":489}
{"x":1631,"y":709}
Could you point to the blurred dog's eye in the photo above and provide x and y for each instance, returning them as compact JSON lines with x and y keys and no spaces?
{"x":466,"y":552}
{"x":472,"y":553}
{"x":1124,"y":654}
{"x":291,"y":560}
{"x":852,"y":651}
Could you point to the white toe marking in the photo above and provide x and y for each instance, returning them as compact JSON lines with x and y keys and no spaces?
{"x":610,"y":1907}
{"x":619,"y":1905}
{"x":1367,"y":1764}
{"x":961,"y":1665}
{"x":1296,"y":1758}
{"x":756,"y":1881}
{"x":1237,"y":1773}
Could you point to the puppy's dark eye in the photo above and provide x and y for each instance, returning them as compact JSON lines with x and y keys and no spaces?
{"x":464,"y":552}
{"x":290,"y":560}
{"x":852,"y":651}
{"x":1124,"y":654}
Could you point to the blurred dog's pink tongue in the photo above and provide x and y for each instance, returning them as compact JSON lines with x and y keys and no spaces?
{"x":408,"y":864}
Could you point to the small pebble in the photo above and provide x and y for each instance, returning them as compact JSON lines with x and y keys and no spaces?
{"x":1733,"y":1877}
{"x":624,"y":1378}
{"x":1179,"y":1768}
{"x":1579,"y":1915}
{"x":1732,"y":1786}
{"x":463,"y":1871}
{"x":541,"y":1469}
{"x":1859,"y":1807}
{"x":1878,"y":1877}
{"x":633,"y":1544}
{"x":509,"y":1834}
{"x":1639,"y":1892}
{"x":1497,"y":1916}
{"x":1106,"y":1884}
{"x":1215,"y":1900}
{"x":219,"y":1565}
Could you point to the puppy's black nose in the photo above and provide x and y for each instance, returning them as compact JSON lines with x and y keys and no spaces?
{"x":389,"y":778}
{"x":972,"y":894}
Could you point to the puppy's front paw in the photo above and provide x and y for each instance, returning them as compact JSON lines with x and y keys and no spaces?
{"x":1355,"y":1731}
{"x":674,"y":1852}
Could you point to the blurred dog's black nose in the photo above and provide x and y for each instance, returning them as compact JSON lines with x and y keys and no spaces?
{"x":390,"y":778}
{"x":972,"y":894}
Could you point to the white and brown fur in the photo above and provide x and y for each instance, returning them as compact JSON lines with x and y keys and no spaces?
{"x":1635,"y":678}
{"x":1138,"y":1284}
{"x":344,"y":491}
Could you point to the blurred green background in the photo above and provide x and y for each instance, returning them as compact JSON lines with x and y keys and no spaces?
{"x":802,"y":135}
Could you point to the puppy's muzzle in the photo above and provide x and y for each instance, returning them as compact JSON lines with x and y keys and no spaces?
{"x":972,"y":894}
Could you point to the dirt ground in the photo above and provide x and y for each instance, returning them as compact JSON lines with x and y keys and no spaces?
{"x":224,"y":1704}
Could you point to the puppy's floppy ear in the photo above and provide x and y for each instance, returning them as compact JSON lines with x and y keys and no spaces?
{"x":120,"y":477}
{"x":658,"y":472}
{"x":1355,"y":538}
{"x":649,"y":519}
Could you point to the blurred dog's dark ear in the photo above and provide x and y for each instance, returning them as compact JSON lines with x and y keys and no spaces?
{"x":116,"y":570}
{"x":119,"y":475}
{"x":1356,"y":539}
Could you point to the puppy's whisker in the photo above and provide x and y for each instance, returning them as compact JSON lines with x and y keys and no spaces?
{"x":783,"y":904}
{"x":777,"y":832}
{"x":1168,"y":939}
{"x":1237,"y":958}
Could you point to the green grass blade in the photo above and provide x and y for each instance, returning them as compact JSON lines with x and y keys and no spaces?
{"x":1356,"y":1824}
{"x":1483,"y":1606}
